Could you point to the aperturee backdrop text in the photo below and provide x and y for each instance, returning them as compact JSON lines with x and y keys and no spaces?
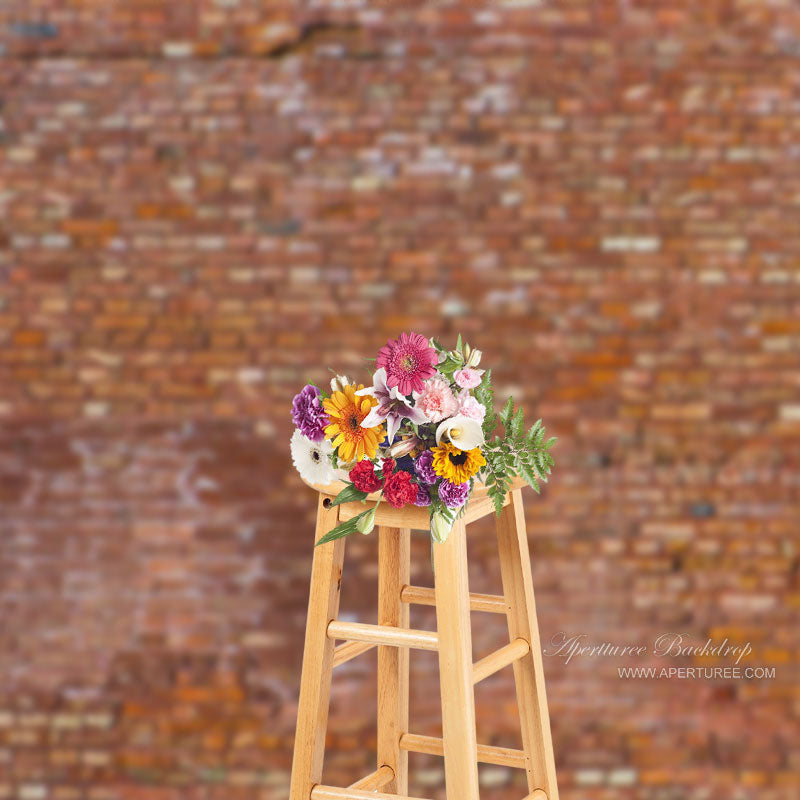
{"x":421,"y":434}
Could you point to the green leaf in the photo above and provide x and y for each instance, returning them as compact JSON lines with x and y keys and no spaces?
{"x":498,"y":495}
{"x":459,"y":346}
{"x":484,"y":394}
{"x":517,"y":423}
{"x":449,"y":366}
{"x":505,"y":414}
{"x":527,"y":472}
{"x":343,"y":529}
{"x":348,"y":495}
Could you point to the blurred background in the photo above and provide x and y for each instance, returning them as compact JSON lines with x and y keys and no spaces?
{"x":203,"y":205}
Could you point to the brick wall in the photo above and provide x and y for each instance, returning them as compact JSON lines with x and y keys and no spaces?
{"x":204,"y":204}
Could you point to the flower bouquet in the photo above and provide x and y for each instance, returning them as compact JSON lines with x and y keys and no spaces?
{"x":423,"y":433}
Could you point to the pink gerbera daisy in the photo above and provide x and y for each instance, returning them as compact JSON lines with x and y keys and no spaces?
{"x":408,"y":360}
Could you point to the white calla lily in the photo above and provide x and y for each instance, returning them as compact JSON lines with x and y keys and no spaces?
{"x":463,"y":432}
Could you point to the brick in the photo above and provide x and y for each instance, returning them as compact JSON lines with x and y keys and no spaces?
{"x":202,"y":208}
{"x":28,"y":338}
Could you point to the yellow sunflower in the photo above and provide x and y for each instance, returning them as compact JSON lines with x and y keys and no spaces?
{"x":346,"y":411}
{"x":457,"y":466}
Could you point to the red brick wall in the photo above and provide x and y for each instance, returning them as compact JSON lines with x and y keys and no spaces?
{"x":204,"y":204}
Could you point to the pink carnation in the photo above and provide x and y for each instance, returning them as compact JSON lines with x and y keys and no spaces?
{"x":437,"y":400}
{"x":468,"y":406}
{"x":468,"y":378}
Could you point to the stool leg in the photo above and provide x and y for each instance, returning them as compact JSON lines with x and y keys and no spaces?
{"x":528,"y":671}
{"x":455,"y":665}
{"x":315,"y":682}
{"x":393,"y":575}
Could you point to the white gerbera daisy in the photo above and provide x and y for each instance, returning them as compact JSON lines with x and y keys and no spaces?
{"x":312,"y":459}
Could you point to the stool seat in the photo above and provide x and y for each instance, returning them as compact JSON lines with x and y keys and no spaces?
{"x":414,"y":517}
{"x":451,"y":641}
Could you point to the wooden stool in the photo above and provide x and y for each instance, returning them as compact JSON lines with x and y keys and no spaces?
{"x":452,"y":640}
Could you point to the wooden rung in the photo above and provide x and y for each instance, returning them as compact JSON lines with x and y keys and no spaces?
{"x":344,"y":652}
{"x":487,"y":754}
{"x":375,"y":780}
{"x":420,"y":595}
{"x":536,"y":794}
{"x":320,"y":792}
{"x":494,"y":662}
{"x":383,"y":634}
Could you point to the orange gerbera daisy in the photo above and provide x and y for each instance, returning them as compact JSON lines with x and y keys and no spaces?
{"x":346,"y":412}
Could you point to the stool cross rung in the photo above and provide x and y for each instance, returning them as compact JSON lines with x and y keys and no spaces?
{"x":487,"y":754}
{"x":349,"y":650}
{"x":494,"y":662}
{"x":423,"y":596}
{"x":375,"y":780}
{"x":536,"y":794}
{"x":320,"y":792}
{"x":383,"y":634}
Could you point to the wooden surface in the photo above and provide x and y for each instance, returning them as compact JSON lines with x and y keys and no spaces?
{"x":413,"y":517}
{"x":315,"y":680}
{"x":455,"y":665}
{"x":375,"y":781}
{"x":344,"y":652}
{"x":515,"y":571}
{"x":394,"y":564}
{"x":383,"y":634}
{"x":422,"y":595}
{"x":487,"y":754}
{"x":494,"y":662}
{"x":334,"y":793}
{"x":332,"y":489}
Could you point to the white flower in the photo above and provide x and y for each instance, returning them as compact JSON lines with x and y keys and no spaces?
{"x":440,"y":528}
{"x":392,"y":406}
{"x":463,"y":432}
{"x":404,"y":447}
{"x":312,"y":460}
{"x":339,"y":382}
{"x":473,"y":358}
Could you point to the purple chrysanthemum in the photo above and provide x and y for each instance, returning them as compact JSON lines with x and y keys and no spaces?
{"x":423,"y":466}
{"x":308,"y":414}
{"x":423,"y":497}
{"x":453,"y":495}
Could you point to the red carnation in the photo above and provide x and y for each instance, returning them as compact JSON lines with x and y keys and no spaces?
{"x":399,"y":491}
{"x":388,"y":467}
{"x":364,"y":478}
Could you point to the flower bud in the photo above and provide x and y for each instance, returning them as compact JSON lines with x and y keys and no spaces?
{"x":339,"y":382}
{"x":440,"y":528}
{"x":366,"y":522}
{"x":474,"y":358}
{"x":404,"y":447}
